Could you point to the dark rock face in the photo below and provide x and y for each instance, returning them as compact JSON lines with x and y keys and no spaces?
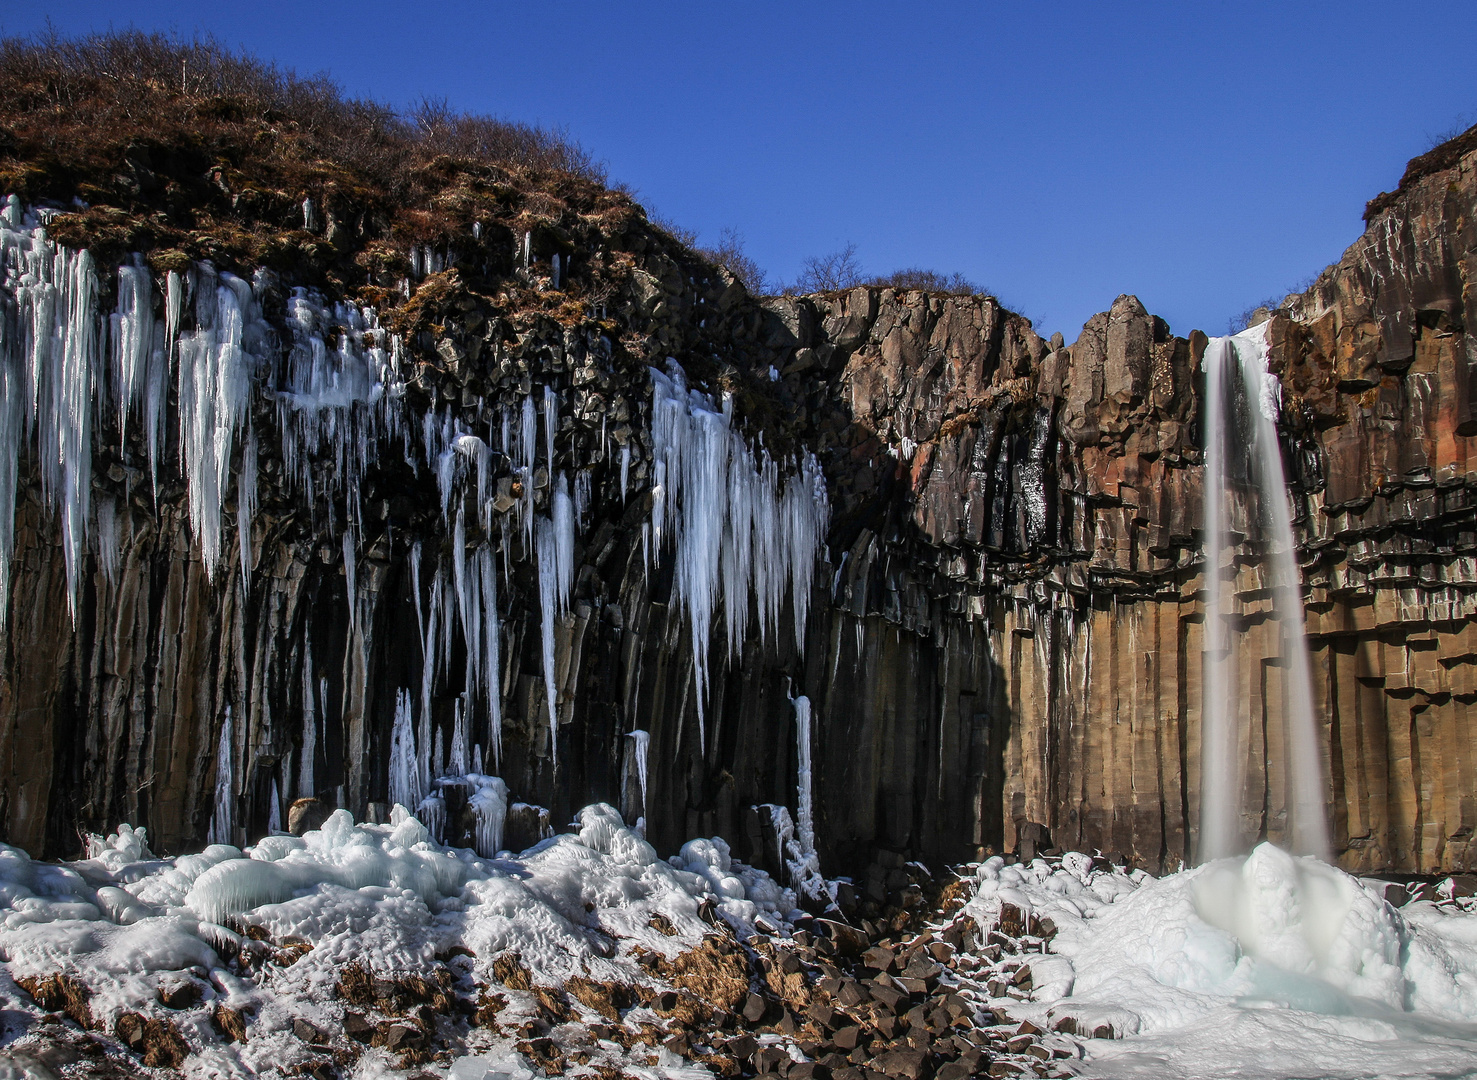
{"x":1003,"y":651}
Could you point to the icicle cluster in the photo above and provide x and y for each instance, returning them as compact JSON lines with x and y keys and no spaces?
{"x":735,"y":530}
{"x":336,"y":385}
{"x":50,"y":334}
{"x":339,"y":397}
{"x":555,"y":549}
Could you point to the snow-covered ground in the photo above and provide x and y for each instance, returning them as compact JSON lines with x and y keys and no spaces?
{"x":295,"y":913}
{"x":1266,"y":966}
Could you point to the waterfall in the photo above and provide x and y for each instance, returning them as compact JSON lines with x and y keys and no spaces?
{"x":1219,"y":774}
{"x":1232,"y":362}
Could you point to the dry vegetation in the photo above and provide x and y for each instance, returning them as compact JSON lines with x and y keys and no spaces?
{"x":185,"y":149}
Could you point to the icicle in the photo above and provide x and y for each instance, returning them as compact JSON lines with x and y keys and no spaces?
{"x":246,"y":504}
{"x":640,"y":747}
{"x":563,"y":522}
{"x":351,"y":578}
{"x":71,"y":396}
{"x":803,"y":769}
{"x":551,"y":424}
{"x":404,"y":786}
{"x":274,"y":811}
{"x":428,"y":678}
{"x":447,"y":464}
{"x":342,"y":396}
{"x":133,"y":339}
{"x":214,"y":392}
{"x":156,"y":390}
{"x":108,"y":537}
{"x":221,"y":831}
{"x":438,"y":758}
{"x":415,"y":588}
{"x":625,"y":470}
{"x":548,"y":592}
{"x":432,"y":813}
{"x":477,"y":759}
{"x":733,"y":532}
{"x":10,"y":444}
{"x":492,"y":666}
{"x":457,"y":764}
{"x":479,"y":454}
{"x":555,"y":263}
{"x":306,"y":785}
{"x":528,"y":433}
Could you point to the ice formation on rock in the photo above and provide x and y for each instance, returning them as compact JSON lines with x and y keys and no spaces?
{"x":405,"y":781}
{"x":222,"y":819}
{"x":306,"y":785}
{"x":744,"y":531}
{"x":641,"y":749}
{"x":805,"y":807}
{"x":489,"y":804}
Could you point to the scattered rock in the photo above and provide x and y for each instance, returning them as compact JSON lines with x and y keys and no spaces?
{"x":180,"y":993}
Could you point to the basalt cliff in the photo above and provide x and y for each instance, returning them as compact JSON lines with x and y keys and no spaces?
{"x":280,"y":443}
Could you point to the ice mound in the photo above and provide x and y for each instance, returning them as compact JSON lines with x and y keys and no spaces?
{"x":1268,"y":965}
{"x":384,"y":896}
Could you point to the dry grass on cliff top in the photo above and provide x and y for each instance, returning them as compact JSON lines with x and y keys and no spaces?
{"x":108,"y":88}
{"x":186,"y":149}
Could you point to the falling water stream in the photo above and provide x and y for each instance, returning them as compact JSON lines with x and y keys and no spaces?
{"x":1232,"y":363}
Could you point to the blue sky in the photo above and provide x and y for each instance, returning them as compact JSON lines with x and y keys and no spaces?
{"x":1201,"y":155}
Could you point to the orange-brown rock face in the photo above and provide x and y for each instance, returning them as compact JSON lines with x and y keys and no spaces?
{"x":1053,"y":501}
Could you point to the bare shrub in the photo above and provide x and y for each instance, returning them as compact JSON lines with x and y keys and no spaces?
{"x":828,"y":273}
{"x":915,"y":277}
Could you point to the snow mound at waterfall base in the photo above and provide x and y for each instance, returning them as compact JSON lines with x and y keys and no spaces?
{"x":128,"y":925}
{"x":1268,"y":966}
